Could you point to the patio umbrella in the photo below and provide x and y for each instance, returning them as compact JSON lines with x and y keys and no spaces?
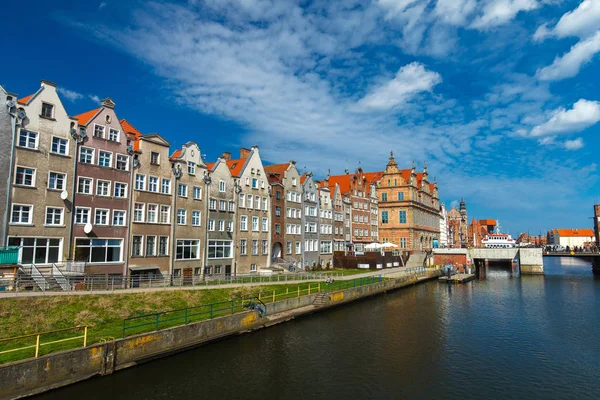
{"x":388,"y":245}
{"x":373,"y":246}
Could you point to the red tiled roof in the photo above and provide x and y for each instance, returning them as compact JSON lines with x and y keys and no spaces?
{"x":303,"y":178}
{"x":344,"y":180}
{"x":177,"y":154}
{"x":373,"y":176}
{"x":432,"y":187}
{"x":132,"y":131}
{"x":210,"y":165}
{"x":276,"y":168}
{"x":235,"y":166}
{"x":24,"y":100}
{"x":85,"y":117}
{"x":576,"y":232}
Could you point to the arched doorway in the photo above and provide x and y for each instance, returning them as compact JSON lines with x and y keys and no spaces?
{"x":277,"y":250}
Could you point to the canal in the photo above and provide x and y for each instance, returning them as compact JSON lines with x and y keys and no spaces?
{"x":504,"y":337}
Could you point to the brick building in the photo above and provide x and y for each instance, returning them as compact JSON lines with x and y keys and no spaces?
{"x":409,"y":208}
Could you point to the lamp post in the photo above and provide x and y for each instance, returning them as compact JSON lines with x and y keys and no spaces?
{"x":237,"y":191}
{"x":207,"y":181}
{"x":177,"y":173}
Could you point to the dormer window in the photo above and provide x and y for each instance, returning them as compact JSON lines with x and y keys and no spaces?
{"x":47,"y":110}
{"x":293,"y":181}
{"x":113,"y":135}
{"x":154,"y":158}
{"x":191,"y":168}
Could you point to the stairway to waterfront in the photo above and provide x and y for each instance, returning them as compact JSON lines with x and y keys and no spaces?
{"x":415,"y":260}
{"x":322,"y":299}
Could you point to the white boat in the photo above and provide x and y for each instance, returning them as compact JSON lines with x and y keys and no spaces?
{"x":498,"y":240}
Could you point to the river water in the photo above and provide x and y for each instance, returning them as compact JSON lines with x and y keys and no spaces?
{"x":505,"y":337}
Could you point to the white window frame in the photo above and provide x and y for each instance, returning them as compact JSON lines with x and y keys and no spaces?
{"x":109,"y":193}
{"x":110,"y":159}
{"x":265,"y":224}
{"x":222,"y":186}
{"x":103,"y":136}
{"x":30,"y":218}
{"x":143,"y":212}
{"x":91,"y":186}
{"x":162,"y":185}
{"x":33,"y":177}
{"x":92,"y":155}
{"x":62,"y":216}
{"x":88,"y":212}
{"x":197,"y":193}
{"x":141,"y":252}
{"x":107,"y":216}
{"x":110,"y":133}
{"x":126,"y":162}
{"x":142,"y":181}
{"x":124,"y":185}
{"x":66,"y":153}
{"x":124,"y":217}
{"x":255,"y":228}
{"x":168,"y":213}
{"x":184,"y":216}
{"x":36,"y":141}
{"x":156,"y":211}
{"x":185,"y":186}
{"x":156,"y":183}
{"x":166,"y":253}
{"x":154,"y":250}
{"x":244,"y":223}
{"x":64,"y":176}
{"x":197,"y":214}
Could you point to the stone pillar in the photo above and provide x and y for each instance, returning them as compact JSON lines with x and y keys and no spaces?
{"x":531,"y":261}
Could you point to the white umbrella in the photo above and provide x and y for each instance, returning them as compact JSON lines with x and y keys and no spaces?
{"x":373,"y":246}
{"x":388,"y":245}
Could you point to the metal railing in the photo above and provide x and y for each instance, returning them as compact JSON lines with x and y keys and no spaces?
{"x":55,"y":335}
{"x":62,"y":280}
{"x":38,"y":278}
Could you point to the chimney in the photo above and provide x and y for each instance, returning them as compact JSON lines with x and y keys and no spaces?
{"x":244,"y":153}
{"x":108,"y":103}
{"x":45,"y":82}
{"x":226,"y":155}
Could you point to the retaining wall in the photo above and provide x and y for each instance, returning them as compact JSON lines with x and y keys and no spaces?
{"x":37,"y":375}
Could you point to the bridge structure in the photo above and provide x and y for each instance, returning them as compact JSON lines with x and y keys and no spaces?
{"x":529,"y":260}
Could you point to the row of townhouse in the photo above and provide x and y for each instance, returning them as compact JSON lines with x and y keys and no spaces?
{"x":91,"y":188}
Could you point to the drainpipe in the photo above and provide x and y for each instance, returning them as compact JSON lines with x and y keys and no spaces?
{"x":176,"y":175}
{"x":207,"y":182}
{"x":78,"y":141}
{"x":236,"y":194}
{"x":7,"y":214}
{"x":129,"y":236}
{"x":302,"y":228}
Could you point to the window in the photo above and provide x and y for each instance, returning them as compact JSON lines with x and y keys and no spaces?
{"x":288,"y":247}
{"x":278,"y":195}
{"x":243,"y":223}
{"x":54,"y":216}
{"x":255,"y":247}
{"x":277,"y":211}
{"x":255,"y":224}
{"x":37,"y":250}
{"x":254,"y":183}
{"x":47,"y":110}
{"x":152,"y":215}
{"x":165,"y":186}
{"x":165,"y":214}
{"x":188,"y":250}
{"x":265,"y":247}
{"x":191,"y":168}
{"x":222,"y":186}
{"x":402,"y":216}
{"x":298,"y":249}
{"x":212,"y":204}
{"x":250,"y":200}
{"x":355,"y":231}
{"x":113,"y":135}
{"x":154,"y":158}
{"x":60,"y":146}
{"x":277,"y":229}
{"x":384,"y":217}
{"x":219,"y":249}
{"x":118,"y":218}
{"x":153,"y":184}
{"x":84,"y":185}
{"x":264,"y":204}
{"x":102,"y":188}
{"x":257,"y":202}
{"x":252,"y":267}
{"x":231,"y":206}
{"x":25,"y":176}
{"x":120,"y":190}
{"x":100,"y":250}
{"x":140,"y":182}
{"x":294,"y":181}
{"x":150,"y":246}
{"x":400,"y":196}
{"x":195,"y":218}
{"x":181,"y":216}
{"x":247,"y":181}
{"x":326,"y":247}
{"x":229,"y":226}
{"x":57,"y":181}
{"x":265,"y":225}
{"x":163,"y":246}
{"x":101,"y":217}
{"x":243,"y":245}
{"x":104,"y":159}
{"x":197,"y":193}
{"x":86,"y":156}
{"x":222,"y":205}
{"x":136,"y":246}
{"x":122,"y":162}
{"x":28,"y":139}
{"x":182,"y":190}
{"x":138,"y":212}
{"x":402,"y":243}
{"x":99,"y":131}
{"x":383,"y":196}
{"x":82,"y":215}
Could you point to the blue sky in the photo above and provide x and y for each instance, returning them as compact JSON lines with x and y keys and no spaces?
{"x":500,"y":97}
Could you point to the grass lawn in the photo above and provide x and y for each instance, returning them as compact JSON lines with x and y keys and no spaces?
{"x":104,"y":314}
{"x":344,"y":272}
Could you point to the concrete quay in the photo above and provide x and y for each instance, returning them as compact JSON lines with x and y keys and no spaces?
{"x":457,"y":278}
{"x":529,"y":260}
{"x":37,"y":375}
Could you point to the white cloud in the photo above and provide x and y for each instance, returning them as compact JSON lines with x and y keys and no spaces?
{"x":94,"y":98}
{"x":102,"y":5}
{"x":584,"y":114}
{"x":499,"y":12}
{"x":454,"y":12}
{"x":69,"y":94}
{"x":569,"y":64}
{"x":574,"y":144}
{"x":409,"y":81}
{"x":582,"y":22}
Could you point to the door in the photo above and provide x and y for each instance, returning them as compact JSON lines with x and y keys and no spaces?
{"x":228,"y":271}
{"x":187,"y":276}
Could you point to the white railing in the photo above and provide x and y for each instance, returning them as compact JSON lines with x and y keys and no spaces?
{"x":36,"y":275}
{"x":60,"y":278}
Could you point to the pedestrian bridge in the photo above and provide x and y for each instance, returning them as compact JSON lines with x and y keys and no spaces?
{"x":529,"y":260}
